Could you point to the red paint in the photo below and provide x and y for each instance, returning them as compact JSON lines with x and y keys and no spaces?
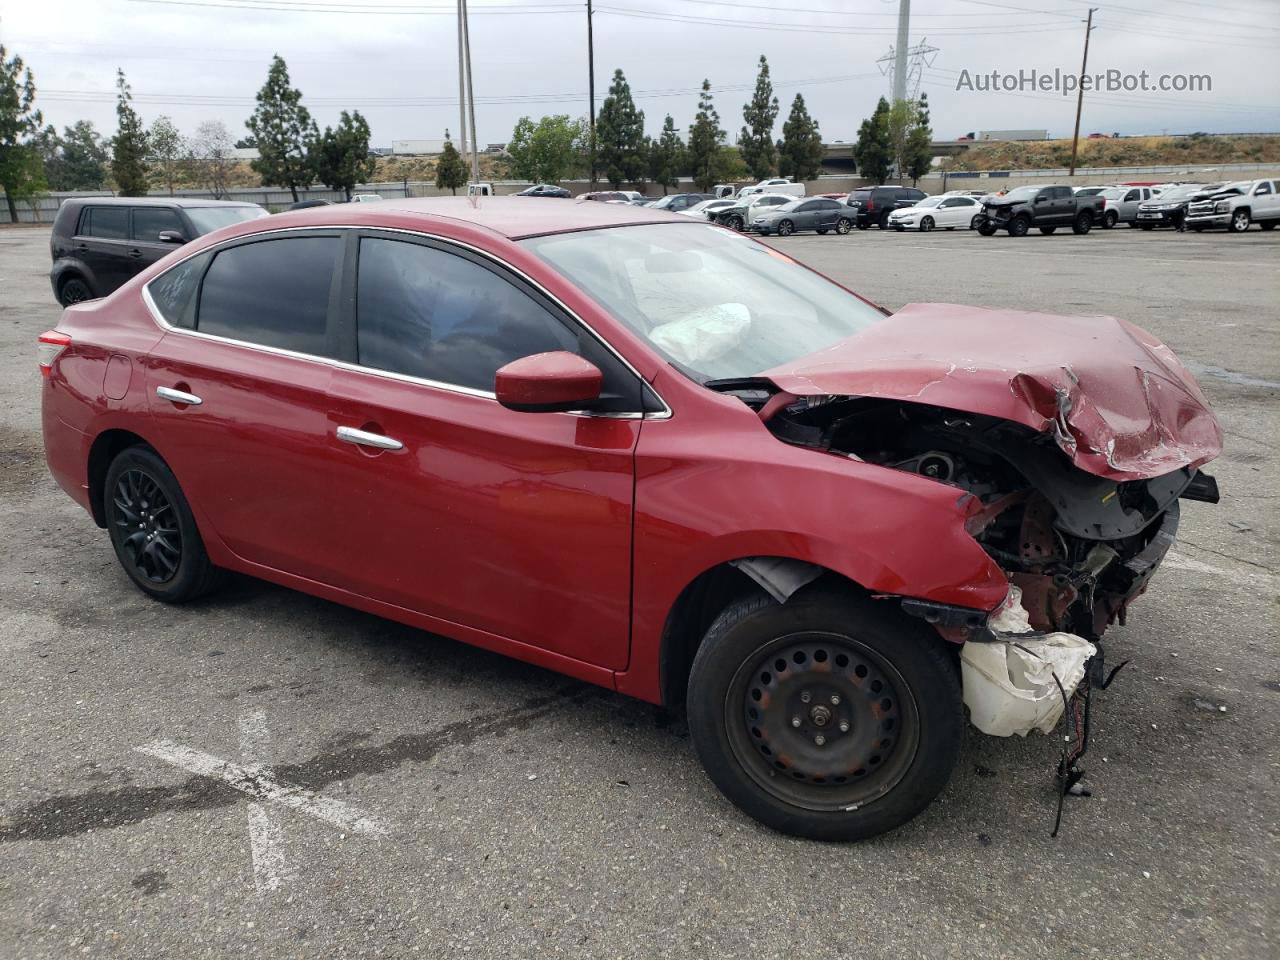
{"x":546,"y":381}
{"x":566,"y":540}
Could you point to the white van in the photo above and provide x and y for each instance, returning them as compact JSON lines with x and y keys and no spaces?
{"x":775,"y":185}
{"x":479,"y":189}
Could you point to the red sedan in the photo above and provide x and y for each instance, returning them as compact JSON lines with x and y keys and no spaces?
{"x":646,"y":452}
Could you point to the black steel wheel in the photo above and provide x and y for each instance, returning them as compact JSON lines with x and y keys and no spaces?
{"x":152,"y":528}
{"x":1019,"y":225}
{"x":830,"y":716}
{"x":1083,"y":223}
{"x":73,"y":290}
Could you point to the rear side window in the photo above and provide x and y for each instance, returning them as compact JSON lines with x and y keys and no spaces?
{"x":108,"y":223}
{"x":426,"y":313}
{"x":272,"y":292}
{"x":173,"y":292}
{"x":149,"y":221}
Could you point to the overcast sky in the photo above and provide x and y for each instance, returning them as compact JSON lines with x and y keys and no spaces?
{"x":204,"y":59}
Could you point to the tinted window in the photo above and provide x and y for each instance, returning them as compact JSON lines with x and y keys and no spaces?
{"x":111,"y":223}
{"x":173,"y":291}
{"x":149,"y":221}
{"x":430,"y":314}
{"x":807,"y":205}
{"x":1264,"y":187}
{"x":273,"y":292}
{"x":208,"y":219}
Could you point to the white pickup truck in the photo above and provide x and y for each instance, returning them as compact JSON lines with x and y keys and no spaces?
{"x":774,"y":185}
{"x":1237,"y":205}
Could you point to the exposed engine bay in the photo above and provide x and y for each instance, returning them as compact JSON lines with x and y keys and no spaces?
{"x":1080,"y":547}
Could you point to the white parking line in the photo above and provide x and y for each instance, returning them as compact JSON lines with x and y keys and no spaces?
{"x":253,"y":780}
{"x":266,"y":837}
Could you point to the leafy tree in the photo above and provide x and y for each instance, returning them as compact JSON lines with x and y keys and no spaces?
{"x":706,"y":141}
{"x":755,"y":142}
{"x":210,"y":156}
{"x":919,"y":158}
{"x":341,"y":157}
{"x":451,"y":169}
{"x":129,"y":146}
{"x":544,"y":152}
{"x":284,"y":132}
{"x":246,"y":143}
{"x":75,"y":161}
{"x":872,"y":151}
{"x":801,"y":150}
{"x":620,"y":135}
{"x":21,"y":167}
{"x":666,"y":156}
{"x":167,"y":147}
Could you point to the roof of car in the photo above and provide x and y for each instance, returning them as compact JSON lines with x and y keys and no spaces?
{"x":512,"y":217}
{"x":162,"y":202}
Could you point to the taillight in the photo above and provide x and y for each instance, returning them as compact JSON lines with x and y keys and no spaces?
{"x":871,"y":204}
{"x":48,"y":348}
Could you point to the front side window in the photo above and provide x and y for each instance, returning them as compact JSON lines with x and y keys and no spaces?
{"x":1263,"y":188}
{"x":271,"y":292}
{"x":148,"y":222}
{"x":426,"y":313}
{"x":109,"y":223}
{"x":716,"y":304}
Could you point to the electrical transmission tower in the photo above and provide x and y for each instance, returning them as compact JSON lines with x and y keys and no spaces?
{"x":906,"y":85}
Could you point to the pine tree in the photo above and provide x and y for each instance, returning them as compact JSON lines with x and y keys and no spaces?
{"x":620,"y":135}
{"x":451,"y":169}
{"x":706,"y":141}
{"x":21,"y":166}
{"x":755,"y":142}
{"x":801,"y":153}
{"x":666,"y":156}
{"x":129,"y":147}
{"x":341,"y":157}
{"x":919,"y":155}
{"x":872,"y":149}
{"x":284,"y":131}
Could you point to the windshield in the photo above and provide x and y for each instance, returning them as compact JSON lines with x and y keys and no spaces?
{"x":1179,"y":193}
{"x":929,"y":202}
{"x":1022,"y":193}
{"x":208,"y":219}
{"x":716,"y":304}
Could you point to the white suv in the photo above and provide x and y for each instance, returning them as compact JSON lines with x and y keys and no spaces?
{"x":1237,"y":205}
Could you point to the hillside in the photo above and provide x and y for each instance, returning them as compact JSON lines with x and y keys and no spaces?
{"x":1123,"y":152}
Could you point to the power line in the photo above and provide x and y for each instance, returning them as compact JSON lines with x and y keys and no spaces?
{"x":343,"y":7}
{"x":1161,"y":15}
{"x":974,"y":30}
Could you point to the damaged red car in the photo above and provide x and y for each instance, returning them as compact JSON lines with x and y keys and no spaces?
{"x":652,"y":454}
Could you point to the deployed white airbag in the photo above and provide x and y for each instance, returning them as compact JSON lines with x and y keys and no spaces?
{"x":1009,"y":684}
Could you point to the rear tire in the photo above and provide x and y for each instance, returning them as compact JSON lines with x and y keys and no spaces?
{"x":153,"y":530}
{"x":843,"y":226}
{"x":822,"y":231}
{"x":883,"y":222}
{"x":74,"y":289}
{"x":1109,"y":219}
{"x":876,"y":695}
{"x":1268,"y":225}
{"x":1083,"y":224}
{"x":1148,"y":226}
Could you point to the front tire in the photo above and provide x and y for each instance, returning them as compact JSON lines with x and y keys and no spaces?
{"x":786,"y":228}
{"x":734,"y":223}
{"x":1240,"y":221}
{"x":926,"y":224}
{"x":153,"y":530}
{"x":831,"y":716}
{"x":987,"y":228}
{"x":1018,"y":226}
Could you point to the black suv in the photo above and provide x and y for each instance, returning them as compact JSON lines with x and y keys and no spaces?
{"x":874,"y":204}
{"x":100,"y":242}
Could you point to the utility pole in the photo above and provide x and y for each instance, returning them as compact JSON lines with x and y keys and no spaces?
{"x":1084,"y":65}
{"x":900,"y":51}
{"x":462,"y":89}
{"x":591,"y":93}
{"x":471,"y":99}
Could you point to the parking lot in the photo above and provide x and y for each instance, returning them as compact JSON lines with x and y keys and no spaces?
{"x":269,"y":774}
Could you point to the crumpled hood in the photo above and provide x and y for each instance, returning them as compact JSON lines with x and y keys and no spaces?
{"x":1117,"y":400}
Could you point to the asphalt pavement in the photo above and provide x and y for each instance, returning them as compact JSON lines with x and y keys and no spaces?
{"x":265,"y":774}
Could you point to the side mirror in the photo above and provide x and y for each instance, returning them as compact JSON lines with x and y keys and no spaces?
{"x":548,"y":383}
{"x":171,"y":236}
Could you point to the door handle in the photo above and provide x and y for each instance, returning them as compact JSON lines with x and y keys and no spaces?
{"x":362,"y":438}
{"x":178,"y":396}
{"x":135,"y":253}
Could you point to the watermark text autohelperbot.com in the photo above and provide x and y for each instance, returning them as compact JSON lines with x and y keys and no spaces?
{"x":1067,"y":83}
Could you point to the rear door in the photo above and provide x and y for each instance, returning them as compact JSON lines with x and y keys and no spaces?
{"x":103,"y":243}
{"x":146,"y":225}
{"x":517,"y":525}
{"x":253,"y":346}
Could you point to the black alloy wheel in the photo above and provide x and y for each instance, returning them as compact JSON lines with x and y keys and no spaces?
{"x":1083,"y":223}
{"x":1018,"y":226}
{"x":74,"y":290}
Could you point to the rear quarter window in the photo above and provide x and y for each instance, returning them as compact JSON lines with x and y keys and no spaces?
{"x":173,"y":292}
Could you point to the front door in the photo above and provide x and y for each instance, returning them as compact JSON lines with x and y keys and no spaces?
{"x":146,"y":227}
{"x":514,"y":524}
